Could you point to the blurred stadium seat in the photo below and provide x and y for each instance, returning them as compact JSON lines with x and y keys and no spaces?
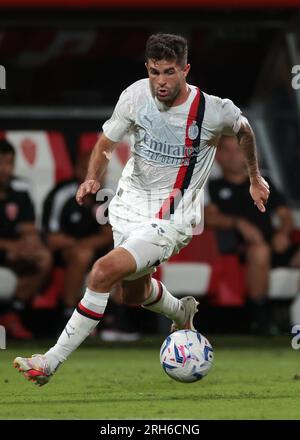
{"x":42,"y":158}
{"x":219,"y":276}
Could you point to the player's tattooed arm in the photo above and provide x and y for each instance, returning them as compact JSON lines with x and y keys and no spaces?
{"x":97,"y":166}
{"x":247,"y":143}
{"x":259,"y":188}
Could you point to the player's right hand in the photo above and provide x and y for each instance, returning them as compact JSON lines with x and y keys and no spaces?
{"x":87,"y":187}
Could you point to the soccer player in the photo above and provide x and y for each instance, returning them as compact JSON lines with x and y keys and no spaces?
{"x":175,"y":127}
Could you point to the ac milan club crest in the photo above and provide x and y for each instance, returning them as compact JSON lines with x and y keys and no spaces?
{"x":11,"y":210}
{"x":29,"y":150}
{"x":193,"y":131}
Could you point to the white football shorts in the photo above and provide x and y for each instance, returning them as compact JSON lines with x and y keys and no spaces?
{"x":150,"y":241}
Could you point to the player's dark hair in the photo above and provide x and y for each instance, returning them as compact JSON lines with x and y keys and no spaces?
{"x":6,"y":147}
{"x":167,"y":47}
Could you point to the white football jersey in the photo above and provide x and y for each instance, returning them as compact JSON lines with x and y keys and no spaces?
{"x":173,"y":150}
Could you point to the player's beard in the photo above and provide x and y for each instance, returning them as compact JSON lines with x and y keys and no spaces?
{"x":170,"y":97}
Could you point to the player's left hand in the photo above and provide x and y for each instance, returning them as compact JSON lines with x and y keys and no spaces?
{"x":88,"y":187}
{"x":259,"y":190}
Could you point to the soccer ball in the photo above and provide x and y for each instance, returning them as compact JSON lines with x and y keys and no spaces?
{"x":186,"y":356}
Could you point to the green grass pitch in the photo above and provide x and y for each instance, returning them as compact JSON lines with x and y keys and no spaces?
{"x":251,"y":379}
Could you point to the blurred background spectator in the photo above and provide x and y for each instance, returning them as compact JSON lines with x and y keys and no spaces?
{"x":242,"y":229}
{"x":21,"y":249}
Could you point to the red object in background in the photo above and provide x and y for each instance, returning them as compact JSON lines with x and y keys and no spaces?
{"x":63,"y":168}
{"x":58,"y":148}
{"x":203,"y":248}
{"x":14,"y":326}
{"x":123,"y":152}
{"x":29,"y":150}
{"x":149,"y":4}
{"x":87,"y":142}
{"x":227,"y":283}
{"x":61,"y":160}
{"x":11,"y":211}
{"x":49,"y":297}
{"x":296,"y":236}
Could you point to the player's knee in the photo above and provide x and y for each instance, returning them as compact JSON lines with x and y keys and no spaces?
{"x":102,"y":276}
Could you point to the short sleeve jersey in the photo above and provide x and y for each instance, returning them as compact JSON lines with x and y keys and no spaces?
{"x":173,"y":148}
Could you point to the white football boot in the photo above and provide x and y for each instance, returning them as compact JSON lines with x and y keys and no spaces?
{"x":35,"y":369}
{"x":190,"y":307}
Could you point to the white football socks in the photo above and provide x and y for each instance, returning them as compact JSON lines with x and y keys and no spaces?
{"x":163,"y":302}
{"x":88,"y":313}
{"x":90,"y":310}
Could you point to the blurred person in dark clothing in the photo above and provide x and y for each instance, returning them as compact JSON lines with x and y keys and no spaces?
{"x":242,"y":229}
{"x":73,"y":233}
{"x":22,"y":252}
